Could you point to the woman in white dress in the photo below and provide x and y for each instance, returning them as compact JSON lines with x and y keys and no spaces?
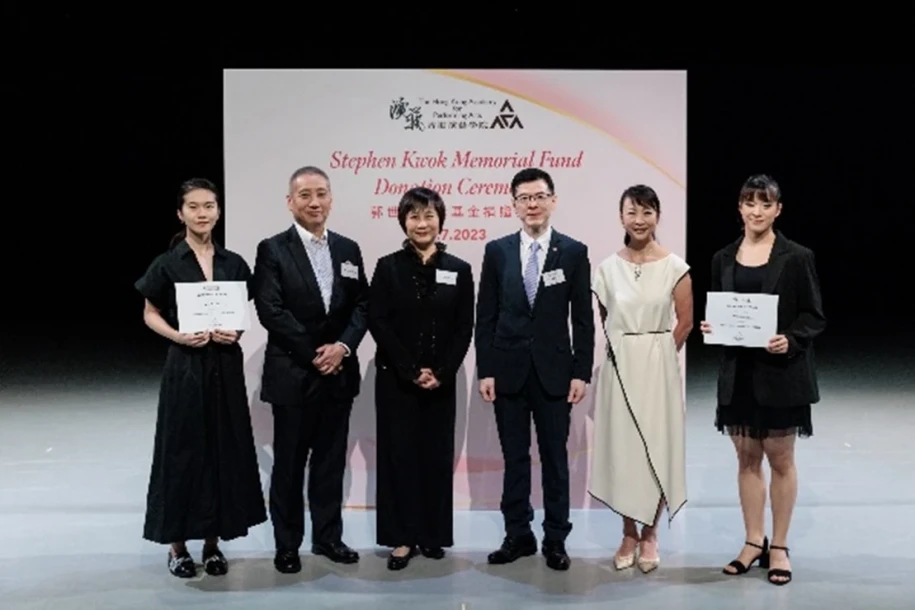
{"x":639,"y":457}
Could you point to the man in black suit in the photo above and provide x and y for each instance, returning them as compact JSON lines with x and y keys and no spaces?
{"x":311,"y":295}
{"x":530,"y":281}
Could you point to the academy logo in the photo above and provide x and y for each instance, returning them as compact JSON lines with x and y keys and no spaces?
{"x":507,"y":118}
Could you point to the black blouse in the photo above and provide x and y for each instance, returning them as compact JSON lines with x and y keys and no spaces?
{"x":421,"y":313}
{"x":425,"y":289}
{"x":180,"y":265}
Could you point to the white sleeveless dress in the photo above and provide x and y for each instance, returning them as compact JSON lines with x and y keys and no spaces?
{"x":639,"y":448}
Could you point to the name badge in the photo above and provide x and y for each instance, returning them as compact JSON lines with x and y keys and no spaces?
{"x":446,"y":277}
{"x":554,"y":277}
{"x":349,"y":271}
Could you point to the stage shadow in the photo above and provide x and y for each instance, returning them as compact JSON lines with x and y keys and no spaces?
{"x":482,"y":453}
{"x":583,"y":577}
{"x":66,"y":577}
{"x":261,"y":417}
{"x":362,"y":425}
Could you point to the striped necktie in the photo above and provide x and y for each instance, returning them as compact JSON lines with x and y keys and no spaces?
{"x":532,"y":274}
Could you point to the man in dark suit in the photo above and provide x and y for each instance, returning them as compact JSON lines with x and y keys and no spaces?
{"x":311,"y":295}
{"x":530,"y":281}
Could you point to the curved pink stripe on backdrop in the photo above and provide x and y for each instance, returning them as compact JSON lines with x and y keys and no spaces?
{"x":649,"y":135}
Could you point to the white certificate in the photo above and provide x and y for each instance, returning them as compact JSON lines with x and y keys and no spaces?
{"x":206,"y":306}
{"x":747,"y":320}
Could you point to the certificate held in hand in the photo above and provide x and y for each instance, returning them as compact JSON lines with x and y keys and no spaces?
{"x":737,"y":319}
{"x":204,"y":306}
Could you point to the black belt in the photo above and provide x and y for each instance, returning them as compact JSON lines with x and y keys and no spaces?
{"x":651,"y":332}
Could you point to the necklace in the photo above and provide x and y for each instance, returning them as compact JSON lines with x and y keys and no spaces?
{"x":637,"y":265}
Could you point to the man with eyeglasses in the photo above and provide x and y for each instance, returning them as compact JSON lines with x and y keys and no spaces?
{"x":528,"y":367}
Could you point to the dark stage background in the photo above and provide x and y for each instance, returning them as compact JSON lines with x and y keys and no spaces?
{"x":95,"y":156}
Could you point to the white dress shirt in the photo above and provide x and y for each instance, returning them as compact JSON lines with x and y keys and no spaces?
{"x":543,"y":240}
{"x":314,"y":248}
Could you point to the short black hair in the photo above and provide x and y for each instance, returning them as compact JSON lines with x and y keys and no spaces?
{"x":420,"y":198}
{"x":308,"y":170}
{"x":532,"y":174}
{"x":762,"y":187}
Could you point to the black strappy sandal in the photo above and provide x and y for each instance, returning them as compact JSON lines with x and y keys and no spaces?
{"x":762,"y":558}
{"x":778,"y":572}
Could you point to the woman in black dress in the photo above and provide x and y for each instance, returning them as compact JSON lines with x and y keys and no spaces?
{"x":765,"y":395}
{"x":421,"y":318}
{"x":204,"y":482}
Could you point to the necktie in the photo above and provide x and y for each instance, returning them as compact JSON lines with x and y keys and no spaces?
{"x":324,"y":272}
{"x":532,"y":274}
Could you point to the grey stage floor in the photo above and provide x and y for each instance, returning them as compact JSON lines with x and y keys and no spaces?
{"x":74,"y":459}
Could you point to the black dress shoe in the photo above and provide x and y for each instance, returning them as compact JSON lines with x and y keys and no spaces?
{"x":556,"y":556}
{"x":399,"y":563}
{"x":336,"y":552}
{"x":181,"y":565}
{"x":513,"y":549}
{"x":214,"y":562}
{"x":434,"y":552}
{"x":287,"y":562}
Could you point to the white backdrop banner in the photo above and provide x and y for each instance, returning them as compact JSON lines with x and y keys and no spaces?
{"x":464,"y":134}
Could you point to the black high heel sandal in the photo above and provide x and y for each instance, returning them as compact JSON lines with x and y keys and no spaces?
{"x":778,"y":572}
{"x":762,"y":558}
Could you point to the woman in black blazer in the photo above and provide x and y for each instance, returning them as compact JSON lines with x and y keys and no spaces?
{"x":765,"y":395}
{"x":421,"y":318}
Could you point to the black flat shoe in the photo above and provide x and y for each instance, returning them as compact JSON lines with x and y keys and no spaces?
{"x":778,"y":572}
{"x":214,"y":562}
{"x":513,"y":549}
{"x":762,"y":558}
{"x":399,"y":563}
{"x":556,"y":556}
{"x":181,"y":565}
{"x":336,"y":552}
{"x":432,"y":552}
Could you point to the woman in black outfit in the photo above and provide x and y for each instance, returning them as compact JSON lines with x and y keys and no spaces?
{"x":204,"y":483}
{"x":765,"y":395}
{"x":421,"y":318}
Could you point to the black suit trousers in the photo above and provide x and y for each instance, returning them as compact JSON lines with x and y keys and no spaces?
{"x":552,"y":418}
{"x":321,"y":429}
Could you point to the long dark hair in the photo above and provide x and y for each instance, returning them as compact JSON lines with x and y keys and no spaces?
{"x":644,"y":196}
{"x":186,"y":187}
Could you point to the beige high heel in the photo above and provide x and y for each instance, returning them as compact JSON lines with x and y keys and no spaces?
{"x":648,"y":565}
{"x":624,"y":562}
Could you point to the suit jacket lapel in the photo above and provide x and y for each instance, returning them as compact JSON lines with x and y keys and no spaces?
{"x":515,"y":276}
{"x":554,"y":250}
{"x":335,"y":256}
{"x":777,"y":259}
{"x":300,"y":256}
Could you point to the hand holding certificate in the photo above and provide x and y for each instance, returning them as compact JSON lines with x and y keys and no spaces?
{"x":206,"y":306}
{"x":748,"y":320}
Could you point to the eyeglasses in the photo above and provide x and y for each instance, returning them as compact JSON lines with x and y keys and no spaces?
{"x":539,"y":198}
